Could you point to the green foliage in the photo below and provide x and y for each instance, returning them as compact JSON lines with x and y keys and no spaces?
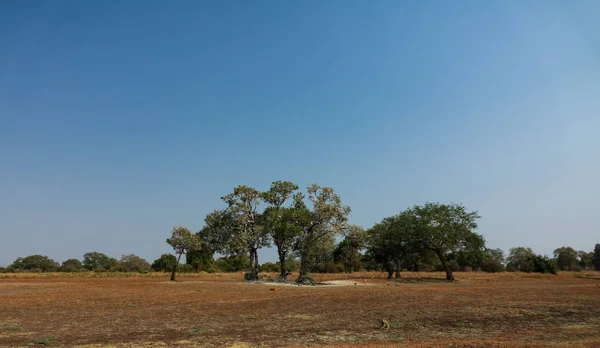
{"x":133,"y":263}
{"x":585,"y":259}
{"x":211,"y":270}
{"x":493,"y":261}
{"x":35,"y":263}
{"x":96,"y":261}
{"x":347,"y":253}
{"x":185,"y":268}
{"x":183,"y":240}
{"x":71,"y":265}
{"x":544,"y":264}
{"x":327,"y":218}
{"x":233,"y":263}
{"x":164,"y":263}
{"x":566,"y":259}
{"x":444,"y":229}
{"x":269,"y":267}
{"x":596,"y":257}
{"x":41,"y":341}
{"x":200,"y":259}
{"x":520,"y":259}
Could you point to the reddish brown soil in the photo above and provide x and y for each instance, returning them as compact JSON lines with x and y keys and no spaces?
{"x":217,"y":311}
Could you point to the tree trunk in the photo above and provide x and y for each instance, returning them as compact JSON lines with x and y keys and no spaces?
{"x":282,"y":268}
{"x":253,"y":272}
{"x":389,"y":269}
{"x":175,"y":268}
{"x":303,"y":274}
{"x":398,"y":264}
{"x":449,"y":275}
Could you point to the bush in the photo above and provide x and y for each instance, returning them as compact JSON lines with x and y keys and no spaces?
{"x":211,"y":270}
{"x":144,"y":271}
{"x":543,"y":264}
{"x":250,"y":276}
{"x":185,"y":268}
{"x":492,"y":266}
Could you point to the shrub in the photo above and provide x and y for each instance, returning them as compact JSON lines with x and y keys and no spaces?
{"x":211,"y":270}
{"x":250,"y":276}
{"x":543,"y":264}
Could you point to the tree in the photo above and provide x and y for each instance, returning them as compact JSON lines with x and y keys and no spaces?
{"x":96,"y":261}
{"x":201,"y":259}
{"x":133,"y":263}
{"x":585,"y":259}
{"x":327,"y":218}
{"x":164,"y":263}
{"x":544,"y":264}
{"x":390,"y":243}
{"x":493,"y":261}
{"x":245,"y":232}
{"x":279,"y":220}
{"x":596,"y":257}
{"x":347,"y":252}
{"x":520,"y":259}
{"x":35,"y":263}
{"x":444,"y":229}
{"x":566,"y":259}
{"x":71,"y":265}
{"x":182,"y":240}
{"x":233,"y":263}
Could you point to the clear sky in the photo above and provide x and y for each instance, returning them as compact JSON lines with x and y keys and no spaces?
{"x":121,"y":119}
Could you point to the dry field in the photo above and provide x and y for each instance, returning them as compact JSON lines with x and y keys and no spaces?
{"x":219,"y":310}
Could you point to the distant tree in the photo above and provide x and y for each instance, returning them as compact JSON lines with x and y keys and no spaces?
{"x":96,"y":261}
{"x":35,"y":263}
{"x":493,"y":261}
{"x":444,"y":229}
{"x":596,"y":257}
{"x":520,"y":259}
{"x":233,"y":263}
{"x":325,"y":218}
{"x":71,"y":265}
{"x":320,"y":259}
{"x":164,"y":263}
{"x":279,"y":220}
{"x":201,"y":259}
{"x":585,"y":259}
{"x":182,"y":240}
{"x":269,"y":267}
{"x":133,"y":263}
{"x":347,"y":253}
{"x":566,"y":259}
{"x":544,"y":264}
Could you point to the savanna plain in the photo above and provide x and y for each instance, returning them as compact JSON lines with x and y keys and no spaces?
{"x":352,"y":310}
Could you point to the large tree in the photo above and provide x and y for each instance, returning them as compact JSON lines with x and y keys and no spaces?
{"x":35,"y":263}
{"x":133,"y":263}
{"x":566,"y":258}
{"x":326,"y":217}
{"x":444,"y":229}
{"x":596,"y":257}
{"x":279,"y":220}
{"x":243,"y":205}
{"x":182,"y":240}
{"x":96,"y":261}
{"x":520,"y":259}
{"x":390,"y":243}
{"x":164,"y":263}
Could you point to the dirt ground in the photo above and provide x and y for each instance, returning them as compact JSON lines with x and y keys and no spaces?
{"x":422,"y":310}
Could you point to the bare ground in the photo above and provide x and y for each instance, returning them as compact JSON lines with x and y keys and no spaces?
{"x":221,"y":311}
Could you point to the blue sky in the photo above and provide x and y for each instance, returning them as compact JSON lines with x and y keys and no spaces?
{"x":119,"y":120}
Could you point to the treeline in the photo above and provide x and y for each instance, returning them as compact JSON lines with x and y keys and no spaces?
{"x":304,"y":228}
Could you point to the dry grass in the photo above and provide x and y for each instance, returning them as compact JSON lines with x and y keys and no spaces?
{"x":218,"y":310}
